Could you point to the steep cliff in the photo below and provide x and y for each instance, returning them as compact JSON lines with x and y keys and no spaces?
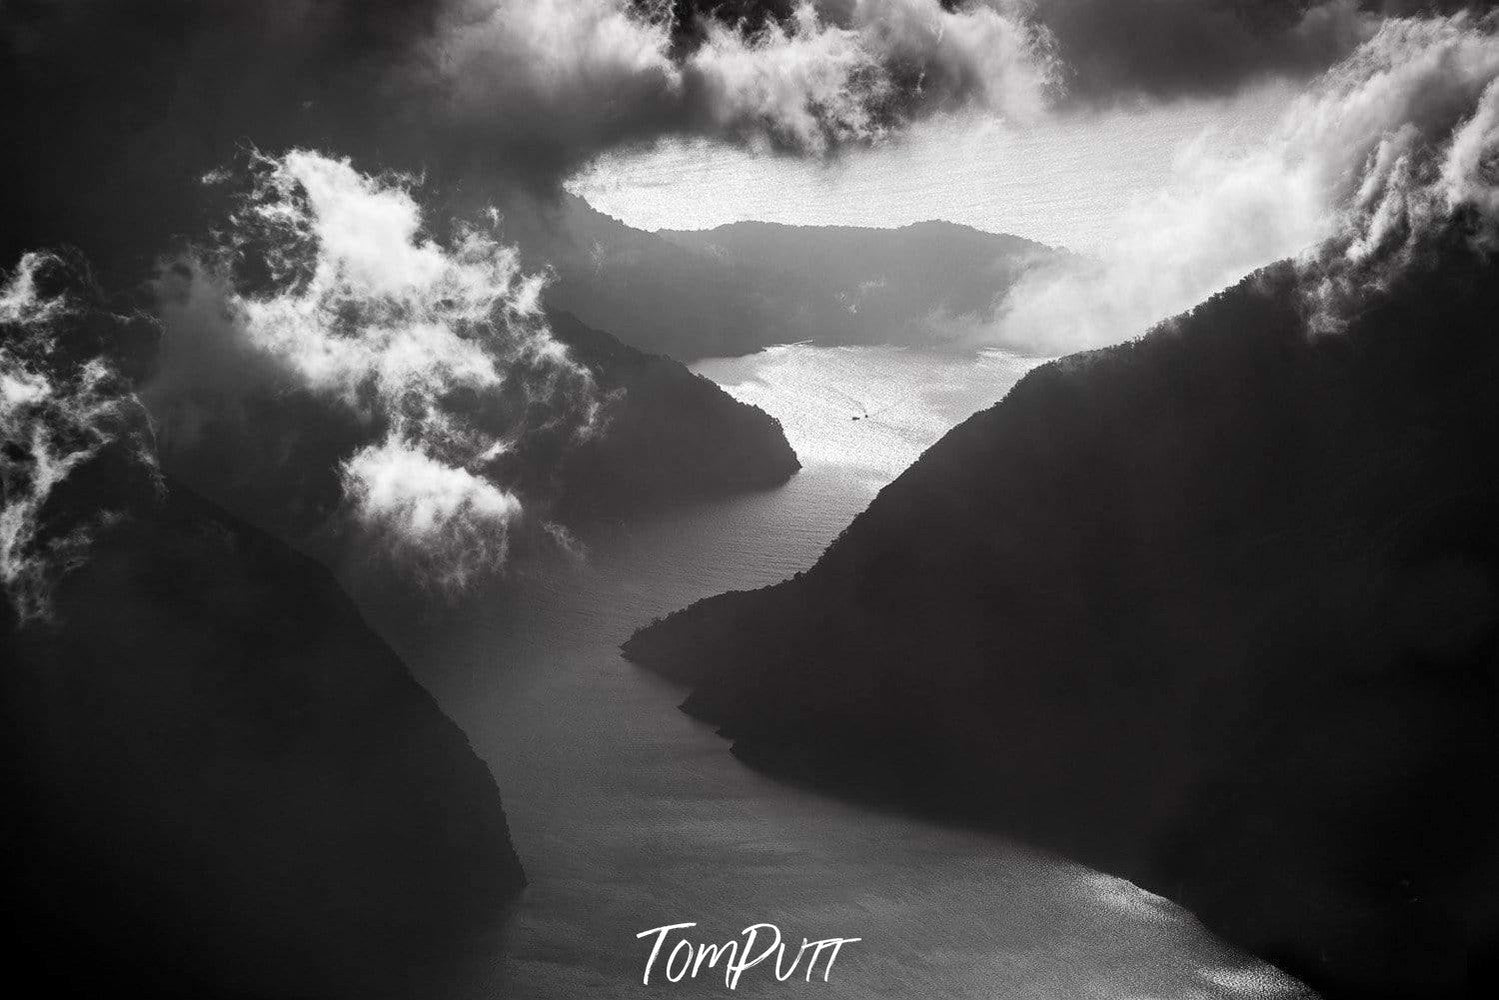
{"x":218,"y":781}
{"x":1217,"y":610}
{"x":670,"y":435}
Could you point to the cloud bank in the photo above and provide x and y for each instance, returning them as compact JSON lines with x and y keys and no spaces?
{"x":1377,"y":153}
{"x":429,"y":354}
{"x":120,"y":105}
{"x":559,"y":81}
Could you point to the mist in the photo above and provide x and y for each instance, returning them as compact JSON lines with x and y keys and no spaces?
{"x":1387,"y":145}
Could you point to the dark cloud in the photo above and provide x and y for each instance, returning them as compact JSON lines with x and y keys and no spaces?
{"x":1168,"y":48}
{"x":113,"y":110}
{"x":116,"y":109}
{"x":1161,"y":49}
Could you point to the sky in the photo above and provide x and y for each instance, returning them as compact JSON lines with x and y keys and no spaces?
{"x":1065,"y":181}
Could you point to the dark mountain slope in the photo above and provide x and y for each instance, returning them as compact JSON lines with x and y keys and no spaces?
{"x":672,"y":435}
{"x":219,"y":782}
{"x":1217,"y":610}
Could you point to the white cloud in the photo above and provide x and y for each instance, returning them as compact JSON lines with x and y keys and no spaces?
{"x":447,"y":522}
{"x":22,"y":304}
{"x":563,"y":80}
{"x":437,"y":345}
{"x":383,"y":307}
{"x":851,"y":70}
{"x":54,"y":416}
{"x":810,"y":86}
{"x":1395,"y":137}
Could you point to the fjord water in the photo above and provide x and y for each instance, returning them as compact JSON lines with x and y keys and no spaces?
{"x":629,"y":815}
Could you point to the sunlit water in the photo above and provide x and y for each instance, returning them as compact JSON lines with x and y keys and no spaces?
{"x":864,"y":413}
{"x":629,"y":815}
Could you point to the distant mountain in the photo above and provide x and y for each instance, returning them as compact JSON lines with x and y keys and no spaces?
{"x":1217,"y":610}
{"x":218,"y":781}
{"x":863,"y":285}
{"x":739,"y":288}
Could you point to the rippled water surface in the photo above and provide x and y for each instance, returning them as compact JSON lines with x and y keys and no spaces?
{"x":629,"y":815}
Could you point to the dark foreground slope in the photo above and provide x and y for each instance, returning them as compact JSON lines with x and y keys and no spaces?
{"x":219,"y":782}
{"x":671,"y":436}
{"x":1217,"y":610}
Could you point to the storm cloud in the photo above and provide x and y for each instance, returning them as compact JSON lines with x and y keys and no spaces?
{"x":120,"y":106}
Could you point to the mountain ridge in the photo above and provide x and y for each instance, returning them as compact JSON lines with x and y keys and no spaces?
{"x":879,"y":288}
{"x":1215,"y":610}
